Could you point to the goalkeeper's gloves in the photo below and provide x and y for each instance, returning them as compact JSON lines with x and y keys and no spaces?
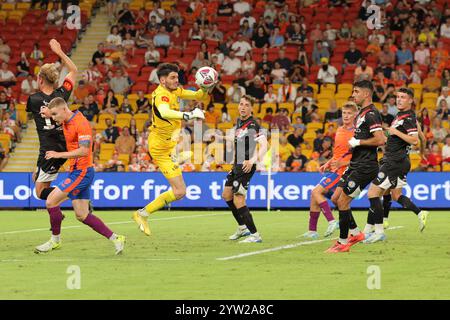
{"x":354,"y":142}
{"x":195,"y":114}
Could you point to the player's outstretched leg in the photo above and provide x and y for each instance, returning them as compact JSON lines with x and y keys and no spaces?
{"x":81,"y":207}
{"x":244,"y":212}
{"x":242,"y":230}
{"x":406,"y":203}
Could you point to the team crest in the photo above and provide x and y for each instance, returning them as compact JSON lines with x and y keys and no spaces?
{"x":351,"y":184}
{"x":235,"y":183}
{"x":381,"y":175}
{"x":241,"y":133}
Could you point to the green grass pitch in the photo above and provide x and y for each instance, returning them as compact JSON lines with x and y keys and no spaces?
{"x":180,"y":259}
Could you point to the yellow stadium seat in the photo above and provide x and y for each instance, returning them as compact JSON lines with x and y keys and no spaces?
{"x":315,"y":88}
{"x":8,"y":6}
{"x":340,"y":102}
{"x":446,"y":124}
{"x":287,"y":105}
{"x":345,"y":86}
{"x":102,"y":117}
{"x":430,"y":103}
{"x":307,"y":152}
{"x":224,"y":126}
{"x":218,"y":106}
{"x":446,"y":167}
{"x":123,"y":120}
{"x":100,"y":126}
{"x":119,"y":98}
{"x":149,"y":5}
{"x":23,"y":6}
{"x":141,"y":116}
{"x":233,"y":113}
{"x":107,"y":146}
{"x":323,"y":103}
{"x":266,"y":105}
{"x":313,"y":126}
{"x":343,"y":95}
{"x":430,"y":95}
{"x":378,"y":105}
{"x":276,"y":86}
{"x":125,"y":158}
{"x":328,"y":87}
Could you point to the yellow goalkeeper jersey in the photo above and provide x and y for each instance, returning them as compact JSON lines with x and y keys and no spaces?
{"x":169,"y":129}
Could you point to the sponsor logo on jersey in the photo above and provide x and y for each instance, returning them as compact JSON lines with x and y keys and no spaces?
{"x":165,"y":99}
{"x":67,"y":85}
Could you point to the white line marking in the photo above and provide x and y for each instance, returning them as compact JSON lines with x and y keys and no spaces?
{"x":84,"y":260}
{"x":288,"y":246}
{"x":120,"y":222}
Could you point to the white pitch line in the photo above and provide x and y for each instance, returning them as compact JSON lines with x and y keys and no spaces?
{"x":288,"y":246}
{"x":84,"y":260}
{"x":115,"y":223}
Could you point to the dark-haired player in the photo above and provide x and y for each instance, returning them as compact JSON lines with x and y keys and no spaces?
{"x":395,"y":166}
{"x":164,"y":136}
{"x":247,"y":135}
{"x":50,"y":133}
{"x":363,"y":166}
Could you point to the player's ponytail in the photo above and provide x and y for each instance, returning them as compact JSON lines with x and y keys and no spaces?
{"x":49,"y":72}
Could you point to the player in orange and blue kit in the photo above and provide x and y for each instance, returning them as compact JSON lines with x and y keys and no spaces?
{"x":78,"y":135}
{"x":328,"y":185}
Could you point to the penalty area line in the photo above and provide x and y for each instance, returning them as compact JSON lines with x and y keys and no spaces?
{"x":288,"y":246}
{"x":119,"y":222}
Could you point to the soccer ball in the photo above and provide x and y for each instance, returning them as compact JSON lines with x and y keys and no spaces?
{"x":206,"y":77}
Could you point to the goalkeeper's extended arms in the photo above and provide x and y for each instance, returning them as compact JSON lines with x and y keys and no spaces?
{"x":168,"y":113}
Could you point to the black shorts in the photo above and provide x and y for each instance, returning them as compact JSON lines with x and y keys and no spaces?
{"x":47,"y":170}
{"x":353,"y":181}
{"x":392,"y":174}
{"x":239,"y":180}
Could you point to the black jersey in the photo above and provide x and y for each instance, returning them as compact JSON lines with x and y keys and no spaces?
{"x":51,"y":136}
{"x":396,"y":148}
{"x":367,"y":121}
{"x":246,"y":136}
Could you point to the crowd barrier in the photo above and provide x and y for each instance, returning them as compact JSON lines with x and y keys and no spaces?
{"x":287,"y":190}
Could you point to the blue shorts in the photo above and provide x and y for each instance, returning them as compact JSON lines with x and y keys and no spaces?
{"x":330,"y":182}
{"x":78,"y":183}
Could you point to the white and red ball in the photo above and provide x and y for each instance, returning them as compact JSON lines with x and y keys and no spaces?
{"x":206,"y":77}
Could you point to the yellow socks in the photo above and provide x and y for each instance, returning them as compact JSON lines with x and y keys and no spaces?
{"x":162,"y":200}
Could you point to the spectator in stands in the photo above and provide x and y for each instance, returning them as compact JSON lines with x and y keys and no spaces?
{"x":416,"y":75}
{"x":434,"y":158}
{"x":211,"y":117}
{"x":86,"y":111}
{"x":81,"y":92}
{"x":235,"y":92}
{"x":260,"y":38}
{"x":196,"y":33}
{"x":359,"y":29}
{"x":317,"y":143}
{"x":177,"y":39}
{"x":352,"y":57}
{"x":446,"y":150}
{"x":297,"y":161}
{"x":36,"y":54}
{"x":316,"y":34}
{"x":278,"y":73}
{"x":5,"y":51}
{"x":296,"y":138}
{"x":225,"y":116}
{"x":240,"y":7}
{"x":444,"y":96}
{"x":276,"y":39}
{"x":248,"y":64}
{"x":285,"y":62}
{"x":142,"y":103}
{"x":125,"y":16}
{"x":3,"y":157}
{"x":443,"y":110}
{"x":114,"y":39}
{"x":287,"y":92}
{"x":119,"y":84}
{"x":153,"y":78}
{"x":129,"y":44}
{"x":110,"y":103}
{"x":422,"y":55}
{"x":424,"y":120}
{"x":268,"y":117}
{"x":214,"y":33}
{"x":270,"y":96}
{"x":345,"y":32}
{"x":333,"y":114}
{"x":231,"y":64}
{"x":219,"y":92}
{"x":255,"y":88}
{"x":285,"y":149}
{"x":125,"y":107}
{"x":445,"y":28}
{"x":319,"y":52}
{"x":330,"y":35}
{"x":225,"y":9}
{"x":55,"y":17}
{"x":125,"y":143}
{"x":373,"y":49}
{"x":162,"y":38}
{"x":29,"y":85}
{"x":11,"y":127}
{"x":439,"y":133}
{"x":152,"y":56}
{"x":23,"y":66}
{"x":386,"y":117}
{"x":363,"y":71}
{"x":386,"y":61}
{"x":199,"y":61}
{"x":298,"y":124}
{"x":404,"y":55}
{"x":297,"y":35}
{"x":7,"y":78}
{"x":246,"y":30}
{"x":111,"y":133}
{"x":327,"y":73}
{"x":241,"y":46}
{"x":281,"y":120}
{"x":98,"y":58}
{"x":157,"y":12}
{"x":391,"y":105}
{"x":431,"y":83}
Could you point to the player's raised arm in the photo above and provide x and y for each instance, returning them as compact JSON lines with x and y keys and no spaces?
{"x":163,"y":107}
{"x":56,"y":48}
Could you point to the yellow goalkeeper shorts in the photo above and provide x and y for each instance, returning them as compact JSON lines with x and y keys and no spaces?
{"x":162,"y":157}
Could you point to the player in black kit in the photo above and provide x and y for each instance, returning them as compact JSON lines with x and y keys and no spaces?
{"x":50,"y":133}
{"x":247,"y":134}
{"x":363,"y":165}
{"x":395,"y":165}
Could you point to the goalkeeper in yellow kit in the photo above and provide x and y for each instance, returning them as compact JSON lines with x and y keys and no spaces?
{"x":164,"y":135}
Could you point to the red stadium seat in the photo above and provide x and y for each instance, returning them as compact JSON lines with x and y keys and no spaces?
{"x":139,"y":87}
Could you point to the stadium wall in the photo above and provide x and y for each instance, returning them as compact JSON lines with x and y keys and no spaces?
{"x":288,"y":190}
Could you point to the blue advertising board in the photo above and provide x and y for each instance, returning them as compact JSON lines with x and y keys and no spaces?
{"x":288,"y":190}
